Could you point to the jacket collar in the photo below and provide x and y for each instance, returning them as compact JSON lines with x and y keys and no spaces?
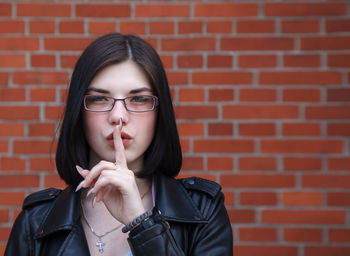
{"x":172,"y":200}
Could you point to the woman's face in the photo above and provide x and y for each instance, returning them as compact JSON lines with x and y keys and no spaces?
{"x":119,"y":81}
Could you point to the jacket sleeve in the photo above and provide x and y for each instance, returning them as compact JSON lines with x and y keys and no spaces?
{"x":19,"y":240}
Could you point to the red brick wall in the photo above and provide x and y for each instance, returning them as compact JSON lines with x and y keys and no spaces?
{"x":262,"y":98}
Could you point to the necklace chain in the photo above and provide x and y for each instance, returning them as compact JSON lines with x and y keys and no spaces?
{"x":99,"y":243}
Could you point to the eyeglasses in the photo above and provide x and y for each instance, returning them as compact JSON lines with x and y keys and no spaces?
{"x":139,"y":103}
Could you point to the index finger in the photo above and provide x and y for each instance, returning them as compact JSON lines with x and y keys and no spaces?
{"x":120,"y":158}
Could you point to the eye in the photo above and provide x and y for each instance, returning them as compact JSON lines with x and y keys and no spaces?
{"x":140,"y":99}
{"x":96,"y":99}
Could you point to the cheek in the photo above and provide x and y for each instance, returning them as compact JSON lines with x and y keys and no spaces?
{"x":91,"y":125}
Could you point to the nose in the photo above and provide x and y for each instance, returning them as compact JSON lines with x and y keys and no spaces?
{"x":118,"y":112}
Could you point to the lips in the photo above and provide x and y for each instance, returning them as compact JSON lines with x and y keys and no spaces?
{"x":126,"y":138}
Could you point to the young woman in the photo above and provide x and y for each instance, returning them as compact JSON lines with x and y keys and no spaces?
{"x":119,"y":152}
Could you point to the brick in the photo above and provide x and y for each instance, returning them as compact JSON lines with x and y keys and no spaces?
{"x":161,"y":10}
{"x":305,"y":9}
{"x":229,"y":198}
{"x":66,"y":44}
{"x":190,"y":61}
{"x":19,"y":43}
{"x":11,"y":26}
{"x":339,"y":164}
{"x":302,"y":146}
{"x":192,"y":163}
{"x":325,"y":181}
{"x":19,"y":181}
{"x":42,"y":94}
{"x":189,"y":44}
{"x":190,"y":27}
{"x":301,"y":163}
{"x":326,"y":217}
{"x":12,"y":164}
{"x":301,"y":129}
{"x":338,"y":129}
{"x":68,"y":61}
{"x":168,"y":61}
{"x":260,"y":112}
{"x":258,"y":198}
{"x":300,"y":78}
{"x":339,"y":235}
{"x":225,"y":10}
{"x":103,"y":10}
{"x":191,"y":129}
{"x":11,"y":129}
{"x":71,"y":27}
{"x":5,"y":9}
{"x":302,"y":235}
{"x":220,"y":61}
{"x":40,"y":77}
{"x":185,"y":146}
{"x":339,"y":25}
{"x":338,"y":60}
{"x":221,"y":95}
{"x":300,"y":26}
{"x":33,"y":146}
{"x":338,"y":199}
{"x":4,"y":146}
{"x":257,"y":164}
{"x":338,"y":95}
{"x":241,"y":216}
{"x":43,"y":10}
{"x":327,"y":112}
{"x":42,"y":164}
{"x":265,"y":250}
{"x":54,"y":112}
{"x":257,"y":234}
{"x":220,"y":163}
{"x":223,"y":146}
{"x":295,"y":198}
{"x":53,"y":180}
{"x":11,"y":198}
{"x":257,"y":61}
{"x":12,"y":94}
{"x":257,"y":129}
{"x":301,"y":60}
{"x":177,"y":78}
{"x":191,"y":95}
{"x":221,"y":78}
{"x":102,"y":27}
{"x":43,"y":60}
{"x":325,"y":43}
{"x":255,"y":26}
{"x":41,"y":129}
{"x":326,"y":250}
{"x":4,"y":234}
{"x":252,"y":95}
{"x":4,"y":78}
{"x":219,"y":27}
{"x":19,"y":112}
{"x":196,"y":112}
{"x":42,"y":27}
{"x":4,"y":216}
{"x":256,"y":44}
{"x":257,"y":180}
{"x":221,"y":129}
{"x":301,"y":95}
{"x":137,"y":27}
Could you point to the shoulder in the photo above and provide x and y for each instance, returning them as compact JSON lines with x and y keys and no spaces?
{"x":40,"y":197}
{"x":200,"y":185}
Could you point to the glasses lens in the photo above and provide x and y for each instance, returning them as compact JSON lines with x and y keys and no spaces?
{"x":98,"y":103}
{"x":140,"y":103}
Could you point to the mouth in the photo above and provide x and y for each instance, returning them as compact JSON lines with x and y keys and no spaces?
{"x":126,"y":138}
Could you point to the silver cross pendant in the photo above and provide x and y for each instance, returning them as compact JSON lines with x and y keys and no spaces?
{"x":100,"y":245}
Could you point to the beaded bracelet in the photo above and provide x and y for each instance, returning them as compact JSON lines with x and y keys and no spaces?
{"x":137,"y":221}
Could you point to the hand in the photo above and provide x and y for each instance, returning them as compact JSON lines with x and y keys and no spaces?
{"x":115,"y":184}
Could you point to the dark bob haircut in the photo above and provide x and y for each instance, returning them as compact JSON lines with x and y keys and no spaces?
{"x":164,"y":153}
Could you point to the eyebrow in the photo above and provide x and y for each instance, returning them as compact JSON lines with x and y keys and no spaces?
{"x":134,"y":91}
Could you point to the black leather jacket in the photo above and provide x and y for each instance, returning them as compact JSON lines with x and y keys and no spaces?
{"x":193,"y":221}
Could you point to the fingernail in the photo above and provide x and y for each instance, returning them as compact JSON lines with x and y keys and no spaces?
{"x":121,"y":124}
{"x":94,"y":202}
{"x":79,"y":169}
{"x":81,"y":184}
{"x":90,"y":192}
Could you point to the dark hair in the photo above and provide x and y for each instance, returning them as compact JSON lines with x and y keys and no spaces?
{"x":164,"y":153}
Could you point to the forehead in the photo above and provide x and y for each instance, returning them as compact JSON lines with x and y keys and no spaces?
{"x":121,"y":77}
